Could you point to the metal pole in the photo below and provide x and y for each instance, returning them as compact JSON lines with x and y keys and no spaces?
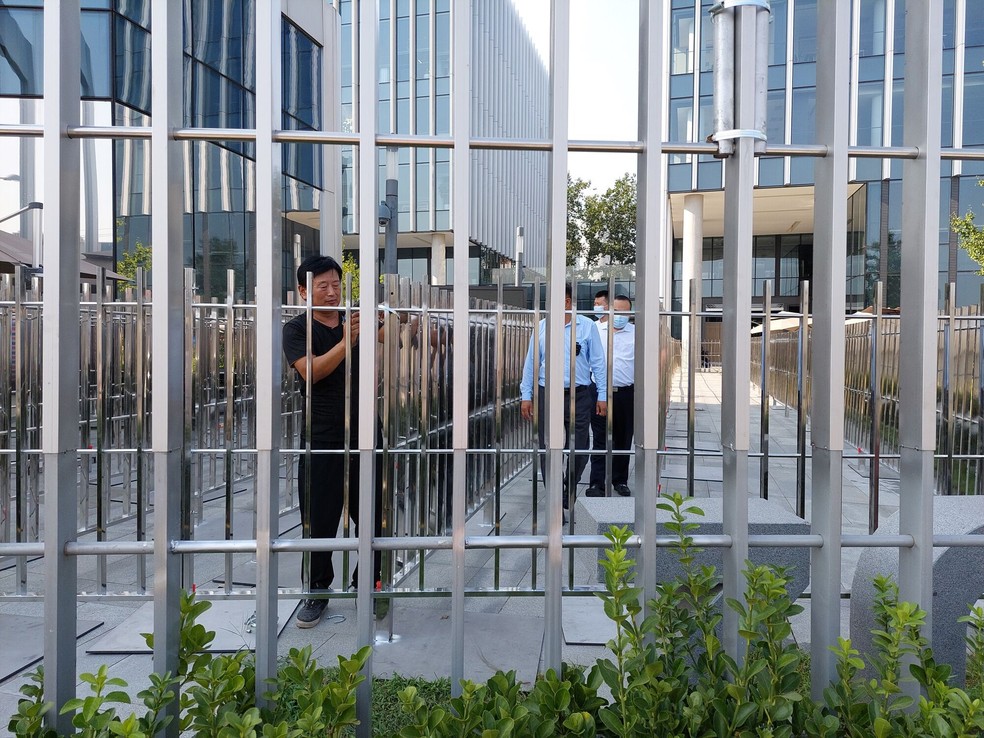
{"x":830,"y":236}
{"x":60,"y":412}
{"x":949,"y":418}
{"x":556,"y":266}
{"x":918,"y":316}
{"x":877,"y":326}
{"x":392,"y":226}
{"x":736,"y":341}
{"x":764,"y":397}
{"x":461,"y":167}
{"x":650,"y":231}
{"x":269,"y":351}
{"x":693,"y":349}
{"x":802,"y":398}
{"x":723,"y":20}
{"x":520,"y":245}
{"x":368,"y":364}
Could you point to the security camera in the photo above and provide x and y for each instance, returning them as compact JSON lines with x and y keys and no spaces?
{"x":383,"y":214}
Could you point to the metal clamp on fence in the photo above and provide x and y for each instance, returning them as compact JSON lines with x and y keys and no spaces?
{"x":723,"y":14}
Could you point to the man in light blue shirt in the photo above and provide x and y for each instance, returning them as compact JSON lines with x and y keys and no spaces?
{"x":589,"y":399}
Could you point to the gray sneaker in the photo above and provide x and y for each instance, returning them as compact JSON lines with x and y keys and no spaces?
{"x":310,"y":612}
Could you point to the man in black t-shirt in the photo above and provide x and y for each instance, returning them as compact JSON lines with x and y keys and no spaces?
{"x":327,"y":471}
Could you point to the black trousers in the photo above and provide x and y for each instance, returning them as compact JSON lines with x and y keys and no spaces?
{"x":621,"y":405}
{"x":327,"y":490}
{"x":585,"y":398}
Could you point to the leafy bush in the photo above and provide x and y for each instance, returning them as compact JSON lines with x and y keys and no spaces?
{"x":668,"y":675}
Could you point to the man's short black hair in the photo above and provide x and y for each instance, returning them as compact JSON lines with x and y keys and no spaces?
{"x":601,"y":294}
{"x":316,"y":264}
{"x":624,"y":297}
{"x":569,"y":290}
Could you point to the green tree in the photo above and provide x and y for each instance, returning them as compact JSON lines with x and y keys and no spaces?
{"x":130,"y":261}
{"x":610,"y":223}
{"x":351,"y":266}
{"x":969,"y":236}
{"x":577,"y":195}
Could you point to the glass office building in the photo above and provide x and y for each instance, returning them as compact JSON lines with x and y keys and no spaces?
{"x":509,"y":99}
{"x":783,"y":247}
{"x":219,"y":92}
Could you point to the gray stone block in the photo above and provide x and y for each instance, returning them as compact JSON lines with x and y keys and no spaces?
{"x":958,"y":580}
{"x":765,"y":517}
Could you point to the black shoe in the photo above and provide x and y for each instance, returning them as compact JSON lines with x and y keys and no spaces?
{"x":310,"y":612}
{"x":595,"y":491}
{"x":623,"y":489}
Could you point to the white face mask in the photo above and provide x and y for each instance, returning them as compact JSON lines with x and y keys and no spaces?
{"x":620,"y":321}
{"x":600,"y":309}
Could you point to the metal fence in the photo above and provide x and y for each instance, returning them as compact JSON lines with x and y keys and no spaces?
{"x":738,"y":138}
{"x":871,"y":390}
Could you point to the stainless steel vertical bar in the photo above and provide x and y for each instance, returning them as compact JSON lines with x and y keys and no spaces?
{"x":187,"y":462}
{"x":739,"y":170}
{"x":347,"y":491}
{"x":229,"y":420}
{"x":102,"y":480}
{"x":877,"y":327}
{"x":170,"y":328}
{"x":650,"y":232}
{"x":425,"y":411}
{"x":20,"y":426}
{"x":140,"y":408}
{"x":694,"y":353}
{"x":949,"y":359}
{"x":764,"y":396}
{"x":60,"y":322}
{"x":979,"y":335}
{"x":918,"y":316}
{"x":365,"y":42}
{"x":569,"y":438}
{"x":610,"y":391}
{"x":556,"y":268}
{"x":499,"y":372}
{"x":537,"y":352}
{"x":269,"y":352}
{"x":802,"y":397}
{"x":308,"y":425}
{"x":461,"y":168}
{"x":829,"y":272}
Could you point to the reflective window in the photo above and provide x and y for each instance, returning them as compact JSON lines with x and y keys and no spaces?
{"x":870,"y":113}
{"x":974,"y":33}
{"x":777,"y":32}
{"x":682,"y":32}
{"x":21,"y":51}
{"x":805,"y":31}
{"x":871,"y":28}
{"x":973,"y":114}
{"x":96,"y":75}
{"x":132,"y":77}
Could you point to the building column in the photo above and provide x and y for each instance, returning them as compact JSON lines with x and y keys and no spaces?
{"x":439,"y":259}
{"x":693,"y":254}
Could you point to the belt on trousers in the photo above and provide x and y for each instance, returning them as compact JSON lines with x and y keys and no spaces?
{"x":623,"y":389}
{"x":567,"y":390}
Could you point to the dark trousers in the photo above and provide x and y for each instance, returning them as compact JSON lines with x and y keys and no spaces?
{"x":585,"y":397}
{"x":621,"y":405}
{"x":327,"y":489}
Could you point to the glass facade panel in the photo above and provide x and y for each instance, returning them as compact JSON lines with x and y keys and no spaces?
{"x":871,"y":28}
{"x":21,"y":51}
{"x":777,"y":32}
{"x":805,"y":31}
{"x":682,"y":39}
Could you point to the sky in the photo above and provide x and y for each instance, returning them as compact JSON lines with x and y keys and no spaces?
{"x":604,"y":62}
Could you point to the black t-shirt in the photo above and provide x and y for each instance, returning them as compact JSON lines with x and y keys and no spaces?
{"x":327,"y":395}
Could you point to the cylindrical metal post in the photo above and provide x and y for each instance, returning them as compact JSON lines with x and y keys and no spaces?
{"x":724,"y":76}
{"x":802,"y":398}
{"x":875,"y":406}
{"x":764,"y":387}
